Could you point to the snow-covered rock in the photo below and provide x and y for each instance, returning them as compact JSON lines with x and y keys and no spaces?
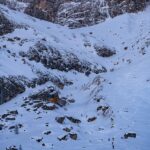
{"x":79,"y":13}
{"x":5,"y":25}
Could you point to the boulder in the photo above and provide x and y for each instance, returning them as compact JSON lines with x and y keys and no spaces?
{"x":104,"y":51}
{"x":60,"y":119}
{"x":73,"y":136}
{"x":129,"y":135}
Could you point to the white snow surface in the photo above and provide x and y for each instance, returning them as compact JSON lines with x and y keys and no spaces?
{"x":125,"y":89}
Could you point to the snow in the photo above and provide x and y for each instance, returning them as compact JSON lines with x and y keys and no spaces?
{"x":125,"y":90}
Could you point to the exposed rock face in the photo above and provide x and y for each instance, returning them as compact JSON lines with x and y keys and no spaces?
{"x":77,"y":13}
{"x":52,"y":58}
{"x":104,"y":51}
{"x":5,"y":25}
{"x":9,"y":88}
{"x":16,"y":4}
{"x":43,"y":9}
{"x":121,"y":6}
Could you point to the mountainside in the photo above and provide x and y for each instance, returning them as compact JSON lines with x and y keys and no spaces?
{"x":76,"y":13}
{"x":85,"y":88}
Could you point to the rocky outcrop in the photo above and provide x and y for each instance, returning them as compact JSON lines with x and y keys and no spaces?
{"x":77,"y":13}
{"x":19,"y":5}
{"x":121,"y":6}
{"x":9,"y":88}
{"x":104,"y":51}
{"x":5,"y":25}
{"x":50,"y":57}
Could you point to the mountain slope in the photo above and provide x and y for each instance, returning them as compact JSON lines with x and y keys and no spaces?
{"x":106,"y":97}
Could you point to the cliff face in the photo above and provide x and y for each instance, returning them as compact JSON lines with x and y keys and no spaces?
{"x":118,"y":7}
{"x":77,"y":13}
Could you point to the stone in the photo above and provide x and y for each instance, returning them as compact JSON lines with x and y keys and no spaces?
{"x":67,"y":129}
{"x":60,"y":119}
{"x":45,"y":107}
{"x":47,"y":132}
{"x":73,"y":136}
{"x":129,"y":135}
{"x":73,"y":120}
{"x":92,"y":119}
{"x":104,"y":51}
{"x":63,"y":138}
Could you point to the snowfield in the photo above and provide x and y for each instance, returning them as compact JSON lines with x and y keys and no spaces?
{"x":108,"y":104}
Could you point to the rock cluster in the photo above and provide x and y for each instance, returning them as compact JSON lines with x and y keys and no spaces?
{"x":51,"y":58}
{"x":9,"y":88}
{"x":104,"y":51}
{"x":5,"y":25}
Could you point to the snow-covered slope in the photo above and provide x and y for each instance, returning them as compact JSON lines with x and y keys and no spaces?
{"x":102,"y":107}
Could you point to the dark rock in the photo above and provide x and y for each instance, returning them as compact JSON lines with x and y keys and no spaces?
{"x":104,"y":52}
{"x":45,"y":107}
{"x":50,"y":57}
{"x":15,"y":112}
{"x":39,"y":140}
{"x":1,"y":126}
{"x":67,"y":129}
{"x":44,"y":94}
{"x":91,"y":119}
{"x":129,"y":135}
{"x":73,"y":136}
{"x":62,"y":102}
{"x":64,"y":138}
{"x":73,"y":120}
{"x":103,"y":108}
{"x":12,"y":127}
{"x":23,"y":105}
{"x":10,"y":119}
{"x":12,"y":148}
{"x":5,"y":25}
{"x":5,"y":115}
{"x":71,"y":100}
{"x":39,"y":105}
{"x":60,"y":119}
{"x":18,"y":125}
{"x":47,"y":132}
{"x":10,"y":87}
